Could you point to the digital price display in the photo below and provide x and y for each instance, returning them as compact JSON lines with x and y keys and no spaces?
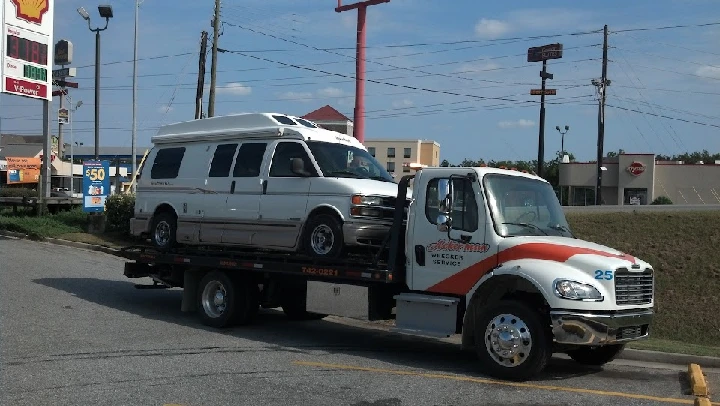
{"x":26,"y":50}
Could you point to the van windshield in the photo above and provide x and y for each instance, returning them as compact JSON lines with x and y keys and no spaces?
{"x":345,"y":161}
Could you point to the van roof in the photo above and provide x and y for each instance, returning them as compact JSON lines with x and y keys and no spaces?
{"x":246,"y":125}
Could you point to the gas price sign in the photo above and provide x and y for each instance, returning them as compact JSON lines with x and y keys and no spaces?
{"x":27,"y":34}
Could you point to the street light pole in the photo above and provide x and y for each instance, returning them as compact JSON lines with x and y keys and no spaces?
{"x":562,"y":154}
{"x":134,"y":91}
{"x":106,"y":13}
{"x":72,"y":144}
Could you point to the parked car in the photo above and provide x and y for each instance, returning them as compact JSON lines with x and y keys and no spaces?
{"x":262,"y":180}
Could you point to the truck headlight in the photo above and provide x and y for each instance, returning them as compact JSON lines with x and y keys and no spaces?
{"x":573,"y":290}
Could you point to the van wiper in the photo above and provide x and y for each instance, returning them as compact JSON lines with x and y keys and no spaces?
{"x":528,"y":225}
{"x":353,"y":174}
{"x":384,"y":179}
{"x":561,"y":227}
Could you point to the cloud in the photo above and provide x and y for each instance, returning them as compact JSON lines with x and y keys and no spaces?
{"x":331,"y":92}
{"x":515,"y":124}
{"x":490,"y":29}
{"x":403,"y":103}
{"x":234,"y":88}
{"x":710,"y":72}
{"x":302,"y":97}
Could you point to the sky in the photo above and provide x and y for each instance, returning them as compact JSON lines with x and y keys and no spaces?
{"x":452,"y":72}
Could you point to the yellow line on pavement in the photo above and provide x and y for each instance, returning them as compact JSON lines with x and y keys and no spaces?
{"x":495,"y":382}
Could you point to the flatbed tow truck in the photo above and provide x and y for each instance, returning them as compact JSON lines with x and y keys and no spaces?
{"x":481,"y":252}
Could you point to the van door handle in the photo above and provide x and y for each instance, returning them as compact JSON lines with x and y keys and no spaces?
{"x":264,"y":186}
{"x":232,"y":187}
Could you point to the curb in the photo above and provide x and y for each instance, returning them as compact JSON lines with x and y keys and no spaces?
{"x":628,"y":354}
{"x":698,"y":385}
{"x":669,"y":358}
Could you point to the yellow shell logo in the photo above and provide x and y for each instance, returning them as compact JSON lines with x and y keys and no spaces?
{"x":31,"y":10}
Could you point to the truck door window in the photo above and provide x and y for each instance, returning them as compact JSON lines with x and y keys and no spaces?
{"x":249,"y":159}
{"x":465,"y":208}
{"x":222,"y":160}
{"x":281,"y":166}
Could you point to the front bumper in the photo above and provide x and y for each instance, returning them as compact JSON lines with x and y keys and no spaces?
{"x":577,"y":328}
{"x":365,"y":232}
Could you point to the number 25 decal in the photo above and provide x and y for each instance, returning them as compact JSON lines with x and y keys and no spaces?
{"x":607,"y":275}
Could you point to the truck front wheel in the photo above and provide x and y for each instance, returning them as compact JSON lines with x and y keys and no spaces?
{"x":596,"y":355}
{"x":512,"y":341}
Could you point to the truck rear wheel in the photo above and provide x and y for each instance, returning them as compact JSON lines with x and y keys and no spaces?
{"x":596,"y":355}
{"x":224,"y":301}
{"x":512,"y":341}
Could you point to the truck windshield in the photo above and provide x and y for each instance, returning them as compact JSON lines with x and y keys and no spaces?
{"x":345,"y":161}
{"x":521,"y":207}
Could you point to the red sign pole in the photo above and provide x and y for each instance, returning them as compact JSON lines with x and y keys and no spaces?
{"x":359,"y":113}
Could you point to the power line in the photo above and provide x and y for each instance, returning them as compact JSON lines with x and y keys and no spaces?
{"x":664,"y":116}
{"x":667,"y":27}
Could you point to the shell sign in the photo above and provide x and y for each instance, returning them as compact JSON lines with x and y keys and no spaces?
{"x":636,"y":168}
{"x":31,"y":10}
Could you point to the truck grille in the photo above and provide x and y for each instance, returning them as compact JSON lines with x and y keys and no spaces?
{"x":633,"y":288}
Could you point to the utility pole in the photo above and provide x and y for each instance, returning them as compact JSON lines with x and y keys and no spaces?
{"x":359,"y":113}
{"x":201,"y":75}
{"x":134,"y":92}
{"x":213,"y":67}
{"x":601,"y":89}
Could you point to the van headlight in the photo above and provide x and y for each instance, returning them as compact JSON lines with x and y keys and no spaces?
{"x":573,"y":290}
{"x":366,"y":206}
{"x":362,"y":200}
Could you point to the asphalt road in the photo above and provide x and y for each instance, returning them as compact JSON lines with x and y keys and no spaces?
{"x":74,"y":331}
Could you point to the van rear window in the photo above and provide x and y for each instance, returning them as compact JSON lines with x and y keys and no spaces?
{"x":167,"y":163}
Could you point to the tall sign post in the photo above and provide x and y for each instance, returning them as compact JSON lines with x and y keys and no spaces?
{"x":27,"y":32}
{"x":542,"y":54}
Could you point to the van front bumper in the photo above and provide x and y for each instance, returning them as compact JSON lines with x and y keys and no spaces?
{"x":371,"y":233}
{"x":138,"y":226}
{"x":588,"y":328}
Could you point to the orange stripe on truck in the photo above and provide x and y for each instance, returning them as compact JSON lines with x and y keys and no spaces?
{"x":461,"y":282}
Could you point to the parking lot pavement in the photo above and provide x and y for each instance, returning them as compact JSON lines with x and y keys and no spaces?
{"x":74,"y":330}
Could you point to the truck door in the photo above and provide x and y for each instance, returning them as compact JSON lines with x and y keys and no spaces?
{"x":438,"y":255}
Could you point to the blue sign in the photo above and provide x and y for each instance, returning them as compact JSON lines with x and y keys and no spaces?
{"x":96,"y":185}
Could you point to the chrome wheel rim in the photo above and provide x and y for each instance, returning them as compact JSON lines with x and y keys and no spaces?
{"x":322,"y":239}
{"x":214,"y":299}
{"x":162,"y":233}
{"x":508,"y":340}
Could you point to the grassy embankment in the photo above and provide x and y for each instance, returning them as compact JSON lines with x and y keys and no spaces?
{"x":682,"y":246}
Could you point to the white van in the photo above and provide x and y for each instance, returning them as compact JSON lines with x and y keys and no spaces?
{"x":262,"y":180}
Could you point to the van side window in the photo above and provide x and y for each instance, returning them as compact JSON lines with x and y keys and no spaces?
{"x":249,"y":160}
{"x":222,"y":160}
{"x":282,"y":160}
{"x":167,"y":163}
{"x":465,"y":209}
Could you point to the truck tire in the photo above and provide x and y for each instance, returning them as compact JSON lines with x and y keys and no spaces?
{"x":596,"y":356}
{"x":224,"y":301}
{"x":163,"y":231}
{"x":512,"y":341}
{"x":323,"y":236}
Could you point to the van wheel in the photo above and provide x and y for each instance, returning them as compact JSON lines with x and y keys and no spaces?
{"x":512,"y":341}
{"x":163,"y":231}
{"x":323,"y":237}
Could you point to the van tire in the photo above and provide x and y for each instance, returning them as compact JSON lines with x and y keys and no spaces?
{"x":318,"y":229}
{"x":163,"y":222}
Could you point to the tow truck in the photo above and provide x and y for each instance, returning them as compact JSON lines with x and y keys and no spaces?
{"x":480,"y":252}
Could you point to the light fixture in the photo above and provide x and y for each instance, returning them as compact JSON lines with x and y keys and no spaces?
{"x":83,"y":13}
{"x":105,"y":11}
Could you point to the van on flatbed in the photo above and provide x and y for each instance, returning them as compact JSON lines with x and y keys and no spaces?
{"x":485,"y":253}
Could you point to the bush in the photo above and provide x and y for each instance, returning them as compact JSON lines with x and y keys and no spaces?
{"x":17,"y":192}
{"x":662,"y":200}
{"x":119,"y":209}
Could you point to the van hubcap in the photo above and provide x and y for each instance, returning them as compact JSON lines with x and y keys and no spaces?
{"x":508,"y":340}
{"x":162,"y":233}
{"x":214,"y":299}
{"x":322,"y":239}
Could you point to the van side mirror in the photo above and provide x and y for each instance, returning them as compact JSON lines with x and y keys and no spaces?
{"x":298,"y":167}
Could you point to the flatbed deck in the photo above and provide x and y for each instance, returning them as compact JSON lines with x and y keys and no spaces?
{"x":347,"y":269}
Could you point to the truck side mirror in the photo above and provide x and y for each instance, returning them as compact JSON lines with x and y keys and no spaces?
{"x":298,"y":167}
{"x":443,"y":223}
{"x":444,"y":196}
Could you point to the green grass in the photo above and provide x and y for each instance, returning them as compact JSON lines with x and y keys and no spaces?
{"x":679,"y":347}
{"x":683,"y":247}
{"x":44,"y":226}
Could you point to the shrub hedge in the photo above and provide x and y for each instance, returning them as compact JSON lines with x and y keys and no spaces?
{"x":119,"y":210}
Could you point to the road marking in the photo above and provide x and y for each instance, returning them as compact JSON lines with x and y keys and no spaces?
{"x":495,"y":382}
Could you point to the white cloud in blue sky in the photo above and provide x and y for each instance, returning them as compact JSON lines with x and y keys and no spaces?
{"x":438,"y":70}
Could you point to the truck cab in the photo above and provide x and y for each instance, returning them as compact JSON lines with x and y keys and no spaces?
{"x":490,"y":255}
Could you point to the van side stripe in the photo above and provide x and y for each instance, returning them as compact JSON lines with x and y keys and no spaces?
{"x":461,"y":282}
